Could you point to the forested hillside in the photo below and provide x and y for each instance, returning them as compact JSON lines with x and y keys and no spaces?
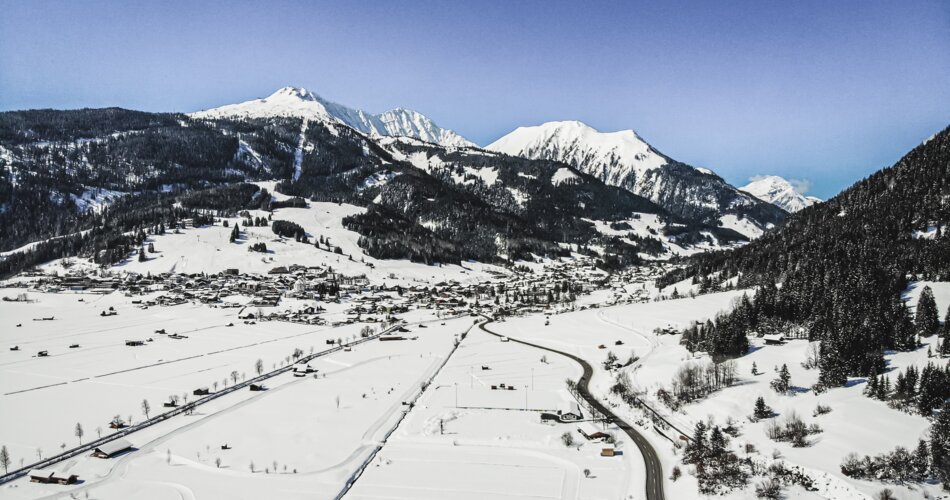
{"x":841,"y":267}
{"x":91,"y":178}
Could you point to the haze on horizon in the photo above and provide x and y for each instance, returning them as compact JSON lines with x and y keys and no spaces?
{"x":825,"y":93}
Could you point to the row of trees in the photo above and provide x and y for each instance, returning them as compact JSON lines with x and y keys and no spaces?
{"x":913,"y":389}
{"x":694,"y":381}
{"x":929,"y":460}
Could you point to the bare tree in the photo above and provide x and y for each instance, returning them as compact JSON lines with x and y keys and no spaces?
{"x":217,"y":462}
{"x":146,"y":408}
{"x":168,"y":456}
{"x":234,"y":376}
{"x":4,"y":458}
{"x":79,"y":432}
{"x":258,"y":366}
{"x":338,"y":402}
{"x":567,"y":438}
{"x":99,"y":431}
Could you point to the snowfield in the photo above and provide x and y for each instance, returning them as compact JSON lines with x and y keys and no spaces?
{"x":317,"y":429}
{"x":412,"y":419}
{"x":489,"y":446}
{"x":856,"y":423}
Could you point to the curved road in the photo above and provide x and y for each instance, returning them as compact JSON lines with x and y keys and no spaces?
{"x":654,"y":471}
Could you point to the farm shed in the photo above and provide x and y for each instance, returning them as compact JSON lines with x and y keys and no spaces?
{"x":112,"y":448}
{"x":50,"y":476}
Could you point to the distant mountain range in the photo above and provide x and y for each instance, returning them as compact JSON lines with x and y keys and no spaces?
{"x":779,"y":192}
{"x":431,"y":195}
{"x":301,"y":103}
{"x":625,"y":160}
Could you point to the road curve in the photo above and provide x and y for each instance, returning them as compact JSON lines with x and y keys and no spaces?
{"x":654,"y":471}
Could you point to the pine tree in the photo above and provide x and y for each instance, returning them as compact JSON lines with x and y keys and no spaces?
{"x":927,"y":319}
{"x":872,"y":387}
{"x":717,"y":446}
{"x":882,"y":388}
{"x":905,"y":334}
{"x":761,"y":409}
{"x":940,"y":447}
{"x":945,"y":333}
{"x":697,"y":449}
{"x":921,"y":460}
{"x":782,"y":384}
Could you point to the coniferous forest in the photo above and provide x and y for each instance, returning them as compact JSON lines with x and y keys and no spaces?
{"x":838,"y":269}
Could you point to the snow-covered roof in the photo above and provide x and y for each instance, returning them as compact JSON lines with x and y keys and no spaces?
{"x":113,"y":447}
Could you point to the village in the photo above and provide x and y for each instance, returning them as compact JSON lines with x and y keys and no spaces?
{"x":158,"y":332}
{"x":300,"y":293}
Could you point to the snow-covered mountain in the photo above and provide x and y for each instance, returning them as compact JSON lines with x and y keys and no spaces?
{"x":625,"y":160}
{"x":778,"y":191}
{"x":300,"y":102}
{"x":612,"y":156}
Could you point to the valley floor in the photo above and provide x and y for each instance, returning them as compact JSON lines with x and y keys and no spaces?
{"x":463,"y":437}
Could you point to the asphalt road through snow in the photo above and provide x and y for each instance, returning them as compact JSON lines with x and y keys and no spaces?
{"x":654,"y":471}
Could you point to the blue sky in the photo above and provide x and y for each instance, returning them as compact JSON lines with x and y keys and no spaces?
{"x":823,"y":91}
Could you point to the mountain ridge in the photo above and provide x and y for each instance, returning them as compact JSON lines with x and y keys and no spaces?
{"x":780,"y":192}
{"x":302,"y":103}
{"x":625,"y":160}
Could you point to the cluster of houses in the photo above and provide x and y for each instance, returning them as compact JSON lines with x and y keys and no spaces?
{"x":106,"y":450}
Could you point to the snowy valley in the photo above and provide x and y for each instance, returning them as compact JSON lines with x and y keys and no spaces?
{"x":291,"y":298}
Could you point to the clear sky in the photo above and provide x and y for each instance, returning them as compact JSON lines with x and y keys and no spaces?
{"x":826,"y":91}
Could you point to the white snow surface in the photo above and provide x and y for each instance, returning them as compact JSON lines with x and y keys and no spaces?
{"x":879,"y":428}
{"x":611,"y":156}
{"x":780,"y":192}
{"x":563,"y":175}
{"x":302,"y":103}
{"x":318,"y":431}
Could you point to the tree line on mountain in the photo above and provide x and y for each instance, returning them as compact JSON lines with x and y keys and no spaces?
{"x":843,"y":266}
{"x":53,"y":161}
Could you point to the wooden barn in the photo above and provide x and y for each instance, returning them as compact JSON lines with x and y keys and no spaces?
{"x":50,"y":476}
{"x":112,"y":448}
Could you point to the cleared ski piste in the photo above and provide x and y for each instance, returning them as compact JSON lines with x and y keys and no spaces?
{"x":488,"y":446}
{"x":296,"y":422}
{"x":856,"y":423}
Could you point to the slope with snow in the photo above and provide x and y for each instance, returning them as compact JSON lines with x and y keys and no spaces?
{"x":611,"y":157}
{"x":780,"y":192}
{"x":625,"y":160}
{"x":302,"y":103}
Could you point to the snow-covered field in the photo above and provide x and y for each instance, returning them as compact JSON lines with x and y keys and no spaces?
{"x":488,"y":445}
{"x":856,"y":423}
{"x":300,"y":423}
{"x":306,"y":437}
